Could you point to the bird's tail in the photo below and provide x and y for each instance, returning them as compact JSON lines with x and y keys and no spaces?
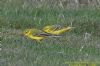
{"x":54,"y":36}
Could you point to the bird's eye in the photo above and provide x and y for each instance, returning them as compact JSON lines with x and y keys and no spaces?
{"x":25,"y":31}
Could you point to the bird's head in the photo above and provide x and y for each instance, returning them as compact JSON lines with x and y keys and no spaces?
{"x":27,"y":32}
{"x":47,"y":28}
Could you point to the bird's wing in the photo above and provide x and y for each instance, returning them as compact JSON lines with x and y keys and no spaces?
{"x":56,"y":27}
{"x":39,"y":33}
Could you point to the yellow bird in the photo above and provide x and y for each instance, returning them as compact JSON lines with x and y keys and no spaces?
{"x":56,"y":29}
{"x":36,"y":34}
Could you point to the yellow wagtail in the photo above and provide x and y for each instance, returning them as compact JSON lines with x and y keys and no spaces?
{"x":36,"y":34}
{"x":56,"y":29}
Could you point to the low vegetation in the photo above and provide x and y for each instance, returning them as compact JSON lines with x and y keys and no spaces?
{"x":80,"y":44}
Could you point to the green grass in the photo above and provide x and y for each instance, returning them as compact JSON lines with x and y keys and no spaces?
{"x":21,"y":51}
